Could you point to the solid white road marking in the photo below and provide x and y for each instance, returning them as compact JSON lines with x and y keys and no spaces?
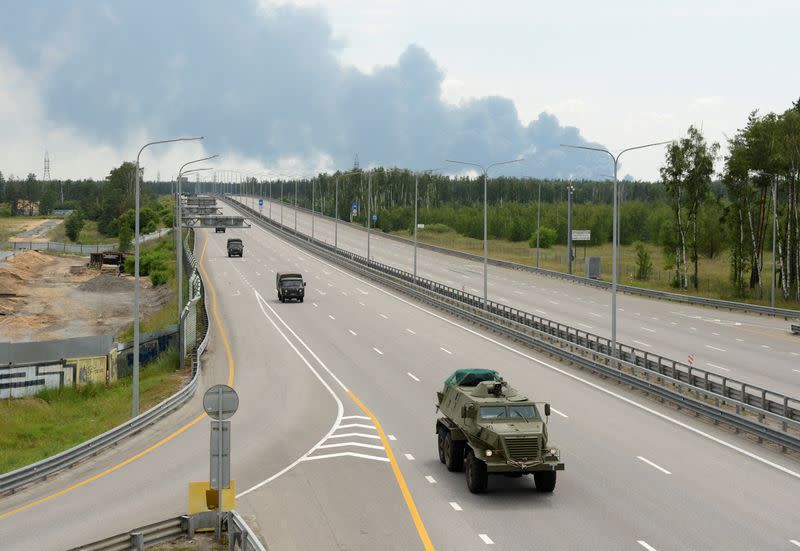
{"x":330,"y":316}
{"x":647,"y":329}
{"x":643,"y":344}
{"x":353,"y":333}
{"x":356,"y":417}
{"x":554,"y":410}
{"x":409,"y":456}
{"x":344,"y":454}
{"x":410,"y":331}
{"x":595,"y":386}
{"x":596,"y":314}
{"x":430,"y":479}
{"x":391,"y":437}
{"x":715,"y":348}
{"x":384,"y":316}
{"x":794,"y":353}
{"x":662,"y":469}
{"x":584,"y":325}
{"x":715,"y":334}
{"x":541,"y":311}
{"x":797,"y":370}
{"x":795,"y":542}
{"x":455,"y":506}
{"x":359,"y":434}
{"x":412,"y":376}
{"x":646,"y":545}
{"x":445,"y":350}
{"x":765,"y":346}
{"x":739,"y":340}
{"x":486,"y":539}
{"x":355,"y":444}
{"x":709,"y":364}
{"x":378,"y":351}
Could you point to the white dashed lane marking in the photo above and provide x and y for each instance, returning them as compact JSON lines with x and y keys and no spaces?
{"x":378,"y":351}
{"x":645,"y":460}
{"x":353,"y":333}
{"x":411,"y":331}
{"x":455,"y":506}
{"x":445,"y":350}
{"x":412,"y":376}
{"x":486,"y":539}
{"x":715,"y":348}
{"x":430,"y":479}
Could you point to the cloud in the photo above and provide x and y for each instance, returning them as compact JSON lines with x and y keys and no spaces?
{"x":263,"y":83}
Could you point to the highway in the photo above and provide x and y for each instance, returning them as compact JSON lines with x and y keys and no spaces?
{"x":334,"y":444}
{"x":756,"y":349}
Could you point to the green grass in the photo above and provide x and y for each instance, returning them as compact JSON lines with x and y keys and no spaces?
{"x":714,"y":278}
{"x":37,"y":427}
{"x":89,"y":235}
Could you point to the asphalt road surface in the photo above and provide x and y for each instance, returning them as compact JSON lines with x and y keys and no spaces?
{"x":334,"y":444}
{"x":755,"y":349}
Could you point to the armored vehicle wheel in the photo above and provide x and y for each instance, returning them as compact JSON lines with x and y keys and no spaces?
{"x":280,"y":297}
{"x":545,"y":481}
{"x":453,"y":454}
{"x":301,"y":299}
{"x":440,"y":443}
{"x":477,"y":477}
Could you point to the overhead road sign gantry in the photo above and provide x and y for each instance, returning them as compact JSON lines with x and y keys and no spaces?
{"x":215,"y":222}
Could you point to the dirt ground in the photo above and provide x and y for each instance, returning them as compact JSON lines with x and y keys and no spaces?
{"x":46,"y":296}
{"x":36,"y":231}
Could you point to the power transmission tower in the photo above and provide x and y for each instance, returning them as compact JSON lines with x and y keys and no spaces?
{"x":355,"y":163}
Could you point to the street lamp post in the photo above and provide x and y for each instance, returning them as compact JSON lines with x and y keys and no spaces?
{"x":179,"y":248}
{"x":369,"y":210}
{"x":416,"y":208}
{"x":136,"y":290}
{"x":485,"y":171}
{"x":295,"y":206}
{"x":336,"y":209}
{"x":615,"y":237}
{"x":570,"y":189}
{"x":313,"y":199}
{"x":538,"y":222}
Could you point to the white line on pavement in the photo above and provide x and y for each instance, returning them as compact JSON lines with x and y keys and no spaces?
{"x":662,"y":469}
{"x":353,"y":333}
{"x":715,"y":348}
{"x":709,"y":364}
{"x":410,"y":331}
{"x":344,"y":454}
{"x":359,"y":434}
{"x":430,"y":479}
{"x":445,"y":350}
{"x":356,"y":426}
{"x":797,"y":370}
{"x":409,"y":456}
{"x":391,"y":437}
{"x":765,"y":346}
{"x":455,"y":506}
{"x":330,"y":316}
{"x":355,"y":444}
{"x":486,"y":539}
{"x":795,"y":542}
{"x":315,"y":305}
{"x":596,"y":314}
{"x":378,"y":351}
{"x":412,"y":376}
{"x":554,"y":410}
{"x":553,"y":302}
{"x":364,"y":417}
{"x":384,"y":316}
{"x":643,"y":344}
{"x":646,"y":545}
{"x":584,"y":325}
{"x":715,"y":334}
{"x":541,"y":311}
{"x":794,"y":353}
{"x":361,"y":303}
{"x":648,"y":329}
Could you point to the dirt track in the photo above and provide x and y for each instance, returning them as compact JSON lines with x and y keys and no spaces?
{"x":53,"y":297}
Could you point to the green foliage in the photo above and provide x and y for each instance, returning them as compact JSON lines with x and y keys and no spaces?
{"x":5,"y":210}
{"x":73,"y":225}
{"x":437,"y":228}
{"x":125,"y":237}
{"x":546,"y":240}
{"x":158,"y":276}
{"x":644,"y":265}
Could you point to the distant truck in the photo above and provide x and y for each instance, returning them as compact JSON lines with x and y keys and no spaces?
{"x":487,"y":427}
{"x":219,"y":229}
{"x":290,"y":286}
{"x":235,"y":247}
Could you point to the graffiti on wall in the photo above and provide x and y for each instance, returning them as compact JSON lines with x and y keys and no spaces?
{"x":28,"y":379}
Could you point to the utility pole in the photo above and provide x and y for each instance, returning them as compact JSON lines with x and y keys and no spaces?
{"x":570,"y":189}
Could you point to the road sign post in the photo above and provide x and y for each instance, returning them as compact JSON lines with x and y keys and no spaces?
{"x":220,"y":402}
{"x":260,"y":205}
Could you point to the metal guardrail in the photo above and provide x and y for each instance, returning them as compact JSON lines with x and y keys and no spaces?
{"x":14,"y":480}
{"x":591,"y":351}
{"x":240,"y":536}
{"x":785,"y":313}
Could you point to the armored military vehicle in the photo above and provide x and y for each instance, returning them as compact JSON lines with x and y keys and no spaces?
{"x":487,"y":427}
{"x":235,"y":247}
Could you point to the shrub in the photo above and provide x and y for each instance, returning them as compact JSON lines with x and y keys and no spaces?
{"x":644,"y":265}
{"x":73,"y":225}
{"x":158,"y":277}
{"x":546,"y":240}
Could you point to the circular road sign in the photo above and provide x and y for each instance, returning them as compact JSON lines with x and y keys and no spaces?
{"x":220,"y":399}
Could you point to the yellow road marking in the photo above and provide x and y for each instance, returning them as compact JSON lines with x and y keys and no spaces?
{"x":398,"y":474}
{"x":164,"y":440}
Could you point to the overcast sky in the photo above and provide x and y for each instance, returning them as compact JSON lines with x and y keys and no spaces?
{"x":300,"y":87}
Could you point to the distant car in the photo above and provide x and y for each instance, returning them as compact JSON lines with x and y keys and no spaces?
{"x":235,"y":247}
{"x":220,"y":229}
{"x":290,"y":286}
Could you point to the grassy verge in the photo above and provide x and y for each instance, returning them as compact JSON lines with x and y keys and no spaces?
{"x":37,"y":427}
{"x":89,"y":235}
{"x":714,"y":273}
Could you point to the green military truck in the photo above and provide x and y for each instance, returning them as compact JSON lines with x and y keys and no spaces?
{"x":290,"y":286}
{"x":486,"y":427}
